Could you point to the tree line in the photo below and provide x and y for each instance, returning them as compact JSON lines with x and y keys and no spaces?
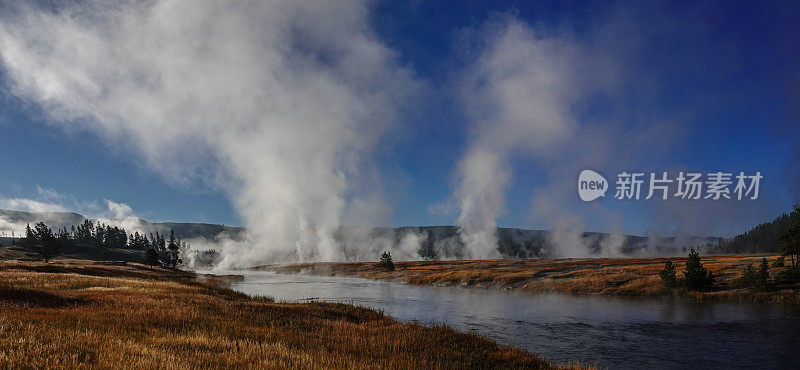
{"x":764,"y":238}
{"x":158,"y":249}
{"x":697,"y":277}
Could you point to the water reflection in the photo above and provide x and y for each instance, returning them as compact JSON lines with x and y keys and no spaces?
{"x":610,"y":332}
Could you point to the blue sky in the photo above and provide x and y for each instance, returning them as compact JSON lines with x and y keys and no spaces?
{"x":713,"y":86}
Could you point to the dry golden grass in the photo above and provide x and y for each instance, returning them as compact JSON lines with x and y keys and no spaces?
{"x":608,"y":276}
{"x":82,"y":314}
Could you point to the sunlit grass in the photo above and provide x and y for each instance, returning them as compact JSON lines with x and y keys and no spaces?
{"x":131,"y":316}
{"x":606,"y":276}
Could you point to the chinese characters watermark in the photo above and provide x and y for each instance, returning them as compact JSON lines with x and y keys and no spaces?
{"x":686,"y":185}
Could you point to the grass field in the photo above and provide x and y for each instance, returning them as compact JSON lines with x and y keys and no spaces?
{"x":73,"y":313}
{"x":607,"y":276}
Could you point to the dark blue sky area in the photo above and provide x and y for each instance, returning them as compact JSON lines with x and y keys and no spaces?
{"x":721,"y":79}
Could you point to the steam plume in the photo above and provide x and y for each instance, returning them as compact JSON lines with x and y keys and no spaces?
{"x":517,"y":95}
{"x":278,"y":104}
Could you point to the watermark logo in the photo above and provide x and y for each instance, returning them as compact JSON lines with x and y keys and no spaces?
{"x":684,"y":185}
{"x":591,"y":185}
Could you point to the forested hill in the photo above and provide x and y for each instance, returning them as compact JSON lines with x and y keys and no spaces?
{"x":56,"y":220}
{"x":435,"y":241}
{"x":763,"y":238}
{"x":13,"y":219}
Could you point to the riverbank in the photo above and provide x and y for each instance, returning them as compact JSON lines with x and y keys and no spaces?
{"x":75,"y":313}
{"x":602,"y":276}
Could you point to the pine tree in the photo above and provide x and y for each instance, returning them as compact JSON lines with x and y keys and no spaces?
{"x":762,"y":277}
{"x":668,"y":277}
{"x":43,"y":242}
{"x":386,"y":261}
{"x":790,"y":240}
{"x":173,"y":250}
{"x":62,"y":239}
{"x":28,"y":240}
{"x":749,"y":276}
{"x":151,"y":256}
{"x":697,"y":277}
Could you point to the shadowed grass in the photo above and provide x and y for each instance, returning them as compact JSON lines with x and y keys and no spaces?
{"x":11,"y":296}
{"x":92,"y":315}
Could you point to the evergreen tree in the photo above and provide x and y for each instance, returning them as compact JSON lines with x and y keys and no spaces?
{"x":790,"y":239}
{"x":697,"y":277}
{"x":762,"y":277}
{"x":151,"y":256}
{"x":146,"y":242}
{"x":757,"y":279}
{"x":62,"y":239}
{"x":386,"y":261}
{"x":173,"y":249}
{"x":668,"y":277}
{"x":84,"y":234}
{"x":29,"y":239}
{"x":99,"y":236}
{"x":749,"y":275}
{"x":41,"y":241}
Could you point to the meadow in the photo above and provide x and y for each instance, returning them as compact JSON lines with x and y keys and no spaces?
{"x":74,"y":313}
{"x":605,"y":276}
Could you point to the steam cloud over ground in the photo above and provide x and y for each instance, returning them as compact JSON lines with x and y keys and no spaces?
{"x":279,"y":104}
{"x":282,"y":106}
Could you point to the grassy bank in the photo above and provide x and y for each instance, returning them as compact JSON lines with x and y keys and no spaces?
{"x":607,"y":276}
{"x":80,"y":313}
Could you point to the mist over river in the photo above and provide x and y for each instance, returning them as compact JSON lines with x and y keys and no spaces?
{"x":594,"y":330}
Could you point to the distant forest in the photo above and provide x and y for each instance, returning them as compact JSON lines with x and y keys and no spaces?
{"x":95,"y":240}
{"x":155,"y":249}
{"x":764,"y":238}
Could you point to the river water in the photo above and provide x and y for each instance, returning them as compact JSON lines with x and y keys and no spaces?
{"x":594,"y":330}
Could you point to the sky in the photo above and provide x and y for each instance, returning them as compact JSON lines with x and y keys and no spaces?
{"x":422,"y":113}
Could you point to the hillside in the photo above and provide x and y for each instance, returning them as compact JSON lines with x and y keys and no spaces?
{"x":434,"y":241}
{"x":57,"y":220}
{"x":760,"y":239}
{"x":437,"y":241}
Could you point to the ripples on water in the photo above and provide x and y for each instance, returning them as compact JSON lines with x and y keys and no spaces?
{"x":609,"y":332}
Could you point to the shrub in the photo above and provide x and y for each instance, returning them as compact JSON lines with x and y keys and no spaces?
{"x":779,"y":262}
{"x":386,"y":261}
{"x":761,"y":281}
{"x":749,"y":276}
{"x":668,"y":277}
{"x":788,"y":275}
{"x":697,"y":276}
{"x":756,"y":279}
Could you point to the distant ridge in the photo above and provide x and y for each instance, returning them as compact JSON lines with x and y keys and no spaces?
{"x":435,"y":241}
{"x":57,"y":220}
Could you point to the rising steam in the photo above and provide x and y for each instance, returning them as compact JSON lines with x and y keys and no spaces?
{"x":517,"y":95}
{"x":279,"y":104}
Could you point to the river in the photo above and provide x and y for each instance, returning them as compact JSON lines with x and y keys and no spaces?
{"x":593,"y":330}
